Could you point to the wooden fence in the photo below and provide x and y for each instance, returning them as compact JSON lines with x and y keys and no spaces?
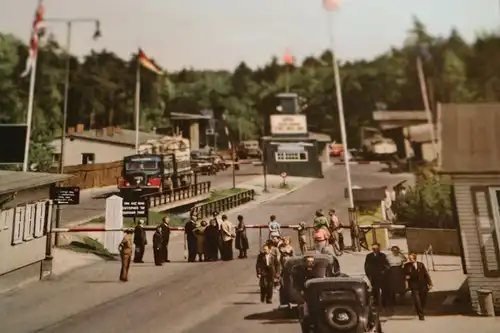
{"x":93,"y":175}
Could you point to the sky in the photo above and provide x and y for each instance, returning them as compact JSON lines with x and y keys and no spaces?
{"x":219,"y":34}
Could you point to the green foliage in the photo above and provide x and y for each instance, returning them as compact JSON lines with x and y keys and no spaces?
{"x":102,"y":87}
{"x":427,"y":204}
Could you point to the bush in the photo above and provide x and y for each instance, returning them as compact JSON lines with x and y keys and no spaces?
{"x":427,"y":204}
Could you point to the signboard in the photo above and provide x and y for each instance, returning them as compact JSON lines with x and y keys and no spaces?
{"x":65,"y":195}
{"x":137,"y":208}
{"x":288,"y":124}
{"x":12,"y":141}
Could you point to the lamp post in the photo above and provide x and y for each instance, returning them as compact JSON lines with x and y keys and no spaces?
{"x":97,"y":34}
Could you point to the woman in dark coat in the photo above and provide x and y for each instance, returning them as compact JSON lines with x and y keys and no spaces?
{"x":241,"y":238}
{"x":212,"y":236}
{"x":396,"y":278}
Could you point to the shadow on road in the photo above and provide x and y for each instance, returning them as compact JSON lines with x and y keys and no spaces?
{"x":274,"y":317}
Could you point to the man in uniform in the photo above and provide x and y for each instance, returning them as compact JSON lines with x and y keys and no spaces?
{"x":158,"y":249}
{"x":419,"y":282}
{"x":190,"y":238}
{"x":165,"y":232}
{"x":140,"y":241}
{"x":267,"y":267}
{"x":320,"y":220}
{"x":376,"y":267}
{"x":125,"y":249}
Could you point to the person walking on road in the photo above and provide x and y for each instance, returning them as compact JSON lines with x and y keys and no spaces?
{"x":376,"y":267}
{"x":267,"y":270}
{"x":212,"y":235}
{"x":228,"y":235}
{"x":286,"y":250}
{"x":125,"y":249}
{"x":199,"y":232}
{"x":321,"y":237}
{"x":165,"y":233}
{"x":190,"y":239}
{"x":320,"y":220}
{"x":396,"y":275}
{"x":158,"y":248}
{"x":274,"y":227}
{"x":336,"y":237}
{"x":302,"y":235}
{"x":241,"y":243}
{"x":140,"y":242}
{"x":419,"y":282}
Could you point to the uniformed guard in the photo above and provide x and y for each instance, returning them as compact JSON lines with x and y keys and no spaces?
{"x":125,"y":249}
{"x":267,"y":268}
{"x":165,"y":232}
{"x":140,"y":241}
{"x":320,"y":220}
{"x":158,"y":248}
{"x":302,"y":236}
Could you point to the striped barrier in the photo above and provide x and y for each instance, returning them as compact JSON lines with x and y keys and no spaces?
{"x":359,"y":163}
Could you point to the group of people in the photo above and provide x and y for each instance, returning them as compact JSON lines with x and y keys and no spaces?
{"x":392,"y":275}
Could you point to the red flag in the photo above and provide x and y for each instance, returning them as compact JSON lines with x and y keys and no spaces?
{"x":146,"y":62}
{"x":288,"y":58}
{"x":331,"y":5}
{"x":35,"y":30}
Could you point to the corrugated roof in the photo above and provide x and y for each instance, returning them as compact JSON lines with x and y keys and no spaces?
{"x":399,"y":115}
{"x":12,"y":181}
{"x":126,"y":137}
{"x":470,"y":138}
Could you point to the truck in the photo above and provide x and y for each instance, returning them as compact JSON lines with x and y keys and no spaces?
{"x":160,"y":165}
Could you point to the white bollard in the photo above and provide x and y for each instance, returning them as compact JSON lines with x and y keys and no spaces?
{"x":114,"y":219}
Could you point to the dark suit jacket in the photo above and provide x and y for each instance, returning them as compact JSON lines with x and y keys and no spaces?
{"x":376,"y":265}
{"x":165,"y":232}
{"x":263,"y":269}
{"x":157,"y":240}
{"x":418,"y":278}
{"x":140,"y":236}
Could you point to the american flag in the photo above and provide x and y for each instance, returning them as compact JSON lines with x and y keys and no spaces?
{"x":331,"y":5}
{"x":35,"y":30}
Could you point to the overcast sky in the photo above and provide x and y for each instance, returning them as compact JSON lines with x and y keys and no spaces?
{"x":218,"y":34}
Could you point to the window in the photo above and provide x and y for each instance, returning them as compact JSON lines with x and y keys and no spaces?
{"x":291,"y":157}
{"x":56,"y":157}
{"x":88,"y":158}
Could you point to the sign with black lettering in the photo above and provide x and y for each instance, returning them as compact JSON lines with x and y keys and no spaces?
{"x":135,"y":208}
{"x":69,"y":195}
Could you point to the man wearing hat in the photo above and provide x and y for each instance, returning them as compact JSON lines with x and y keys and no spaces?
{"x":125,"y":249}
{"x":140,"y":241}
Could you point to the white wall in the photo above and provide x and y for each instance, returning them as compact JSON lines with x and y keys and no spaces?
{"x":104,"y":152}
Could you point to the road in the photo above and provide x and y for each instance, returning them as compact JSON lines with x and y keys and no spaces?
{"x":178,"y":297}
{"x":91,"y":207}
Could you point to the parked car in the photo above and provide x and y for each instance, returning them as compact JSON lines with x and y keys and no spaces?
{"x":252,"y":148}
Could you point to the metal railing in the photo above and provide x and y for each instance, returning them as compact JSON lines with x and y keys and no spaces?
{"x":180,"y":193}
{"x":206,"y":209}
{"x":429,"y":258}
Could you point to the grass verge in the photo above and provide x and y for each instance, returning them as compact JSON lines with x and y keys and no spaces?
{"x":154,"y":218}
{"x":223,"y":193}
{"x":368,"y":216}
{"x":90,"y":245}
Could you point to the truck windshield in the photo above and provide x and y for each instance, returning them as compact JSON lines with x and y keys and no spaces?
{"x":142,"y":164}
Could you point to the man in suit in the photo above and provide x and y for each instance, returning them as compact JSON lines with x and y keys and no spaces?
{"x":190,"y":238}
{"x":165,"y":232}
{"x":267,"y":269}
{"x":140,"y":242}
{"x":218,"y":221}
{"x":228,"y":235}
{"x":419,"y":282}
{"x":376,"y":267}
{"x":158,"y":249}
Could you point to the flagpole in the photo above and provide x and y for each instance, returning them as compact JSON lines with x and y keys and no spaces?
{"x":340,"y":105}
{"x":137,"y":103}
{"x":31,"y":97}
{"x":287,"y":77}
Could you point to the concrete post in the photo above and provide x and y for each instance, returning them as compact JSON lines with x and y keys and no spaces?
{"x":114,"y":219}
{"x":194,"y":135}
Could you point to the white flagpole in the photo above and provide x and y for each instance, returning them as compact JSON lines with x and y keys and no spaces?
{"x":137,"y":104}
{"x":340,"y":102}
{"x":31,"y":97}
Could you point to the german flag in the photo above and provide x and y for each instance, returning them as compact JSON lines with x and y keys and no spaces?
{"x":147,"y":63}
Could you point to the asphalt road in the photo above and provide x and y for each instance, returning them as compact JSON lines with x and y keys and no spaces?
{"x":178,"y":297}
{"x":91,"y":207}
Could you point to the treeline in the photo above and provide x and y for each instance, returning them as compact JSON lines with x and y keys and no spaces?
{"x":102,"y":86}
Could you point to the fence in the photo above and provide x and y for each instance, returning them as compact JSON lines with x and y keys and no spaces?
{"x":224,"y":204}
{"x":93,"y":175}
{"x":181,"y":193}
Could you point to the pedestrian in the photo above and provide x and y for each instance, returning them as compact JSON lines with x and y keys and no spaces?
{"x":190,"y":239}
{"x":241,"y":243}
{"x":165,"y":232}
{"x":355,"y":233}
{"x":212,"y":241}
{"x":396,"y":275}
{"x":336,"y":238}
{"x":376,"y":267}
{"x":140,"y":242}
{"x":218,"y":220}
{"x":286,"y":250}
{"x":320,"y":220}
{"x":158,"y":249}
{"x":321,"y":238}
{"x":125,"y":249}
{"x":267,"y":269}
{"x":274,"y":227}
{"x":273,"y":247}
{"x":199,"y":232}
{"x":419,"y":282}
{"x":302,"y":235}
{"x":228,"y":235}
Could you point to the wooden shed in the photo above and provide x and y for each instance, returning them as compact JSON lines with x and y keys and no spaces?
{"x":470,"y":137}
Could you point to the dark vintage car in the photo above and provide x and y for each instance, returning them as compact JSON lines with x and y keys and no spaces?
{"x":290,"y":290}
{"x":203,"y":162}
{"x":338,"y":305}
